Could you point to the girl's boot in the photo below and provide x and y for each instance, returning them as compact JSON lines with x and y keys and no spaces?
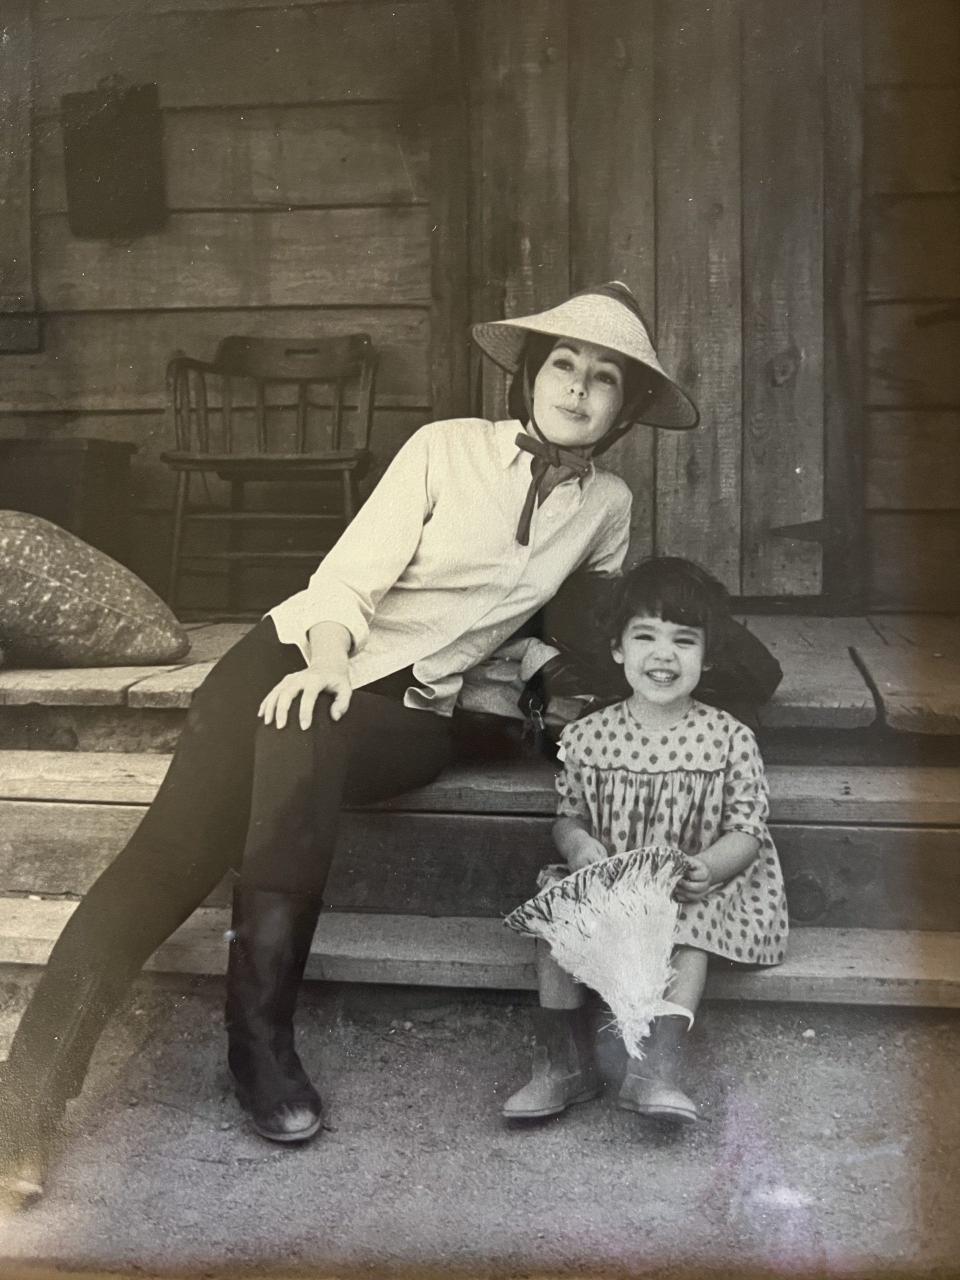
{"x":270,"y":942}
{"x":564,"y":1067}
{"x":648,"y":1086}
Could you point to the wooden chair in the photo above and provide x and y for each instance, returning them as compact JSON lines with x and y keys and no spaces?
{"x":268,"y":410}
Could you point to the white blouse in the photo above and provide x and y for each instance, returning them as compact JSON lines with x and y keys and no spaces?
{"x":429,"y":573}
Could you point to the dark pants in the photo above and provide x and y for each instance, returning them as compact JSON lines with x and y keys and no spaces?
{"x":237,"y":794}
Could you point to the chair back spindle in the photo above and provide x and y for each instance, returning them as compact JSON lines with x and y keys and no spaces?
{"x":299,"y":393}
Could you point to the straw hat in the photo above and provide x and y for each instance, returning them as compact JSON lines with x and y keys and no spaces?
{"x":609,"y":316}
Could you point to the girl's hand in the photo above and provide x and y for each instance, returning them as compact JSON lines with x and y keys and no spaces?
{"x":307,"y":685}
{"x":696,"y":883}
{"x":587,"y":850}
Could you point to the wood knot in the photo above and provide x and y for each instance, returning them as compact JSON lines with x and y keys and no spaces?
{"x":784,"y":366}
{"x":806,"y":897}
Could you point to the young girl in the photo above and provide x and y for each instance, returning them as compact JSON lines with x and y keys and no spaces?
{"x":661,"y":768}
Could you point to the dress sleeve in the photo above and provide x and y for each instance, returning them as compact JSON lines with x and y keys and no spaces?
{"x":745,"y":795}
{"x":609,"y":552}
{"x":370,"y":554}
{"x":571,"y":795}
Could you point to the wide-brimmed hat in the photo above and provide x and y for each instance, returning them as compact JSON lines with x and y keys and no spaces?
{"x":607,"y":315}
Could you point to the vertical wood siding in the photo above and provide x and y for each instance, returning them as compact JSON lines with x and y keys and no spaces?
{"x":695,"y":171}
{"x":613,"y":189}
{"x":699,"y":272}
{"x":912,"y":308}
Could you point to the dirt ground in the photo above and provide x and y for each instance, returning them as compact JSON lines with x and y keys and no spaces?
{"x":829,"y":1146}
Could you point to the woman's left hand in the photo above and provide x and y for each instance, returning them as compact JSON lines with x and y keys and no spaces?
{"x":696,"y":883}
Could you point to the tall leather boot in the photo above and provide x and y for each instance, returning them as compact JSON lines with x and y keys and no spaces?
{"x":649,"y":1086}
{"x":270,"y":942}
{"x":564,"y":1066}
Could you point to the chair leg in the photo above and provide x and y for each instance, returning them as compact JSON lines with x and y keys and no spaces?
{"x":176,"y":544}
{"x":234,"y":543}
{"x":349,"y":496}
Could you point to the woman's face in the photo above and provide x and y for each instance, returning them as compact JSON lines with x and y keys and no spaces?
{"x":578,"y":392}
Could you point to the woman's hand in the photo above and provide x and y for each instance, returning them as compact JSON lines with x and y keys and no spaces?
{"x":697,"y":881}
{"x":307,"y":685}
{"x":327,"y":672}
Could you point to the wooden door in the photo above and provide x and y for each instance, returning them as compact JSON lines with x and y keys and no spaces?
{"x":708,"y":155}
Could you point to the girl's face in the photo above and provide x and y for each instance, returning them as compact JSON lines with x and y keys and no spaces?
{"x":578,"y":393}
{"x":663,"y":661}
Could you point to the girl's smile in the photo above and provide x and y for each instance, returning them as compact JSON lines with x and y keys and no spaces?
{"x":578,"y":393}
{"x":663,"y":663}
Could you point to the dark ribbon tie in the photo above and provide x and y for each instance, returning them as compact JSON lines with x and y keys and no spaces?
{"x":547,"y":457}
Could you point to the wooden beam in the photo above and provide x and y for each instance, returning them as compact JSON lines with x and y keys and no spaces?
{"x":914,"y":247}
{"x":783,"y":370}
{"x":523,"y":192}
{"x":911,"y":139}
{"x":916,"y":674}
{"x":19,"y":324}
{"x":242,"y":57}
{"x":699,"y":331}
{"x":53,"y":10}
{"x":822,"y":687}
{"x":115,"y":360}
{"x":612,"y":181}
{"x":827,"y":966}
{"x":448,"y":129}
{"x":913,"y":461}
{"x":320,"y":257}
{"x":915,"y":43}
{"x":911,"y":355}
{"x":842,"y":295}
{"x":271,"y":157}
{"x":912,"y":561}
{"x":885,"y":795}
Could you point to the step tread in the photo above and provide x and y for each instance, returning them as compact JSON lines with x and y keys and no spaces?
{"x":911,"y":665}
{"x":924,"y":795}
{"x":914,"y":666}
{"x":822,"y":685}
{"x":855,"y":966}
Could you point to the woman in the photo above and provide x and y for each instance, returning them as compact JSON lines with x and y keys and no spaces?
{"x":343,"y":694}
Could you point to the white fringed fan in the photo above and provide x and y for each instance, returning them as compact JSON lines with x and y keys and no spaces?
{"x":612,"y":925}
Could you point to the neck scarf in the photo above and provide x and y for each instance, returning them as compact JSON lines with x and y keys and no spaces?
{"x":547,"y":458}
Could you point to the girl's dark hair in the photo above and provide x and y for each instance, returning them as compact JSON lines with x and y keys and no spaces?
{"x":675,"y":590}
{"x":638,"y":384}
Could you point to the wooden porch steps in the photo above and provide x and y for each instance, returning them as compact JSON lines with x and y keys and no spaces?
{"x":871,"y":852}
{"x":825,"y":966}
{"x":861,"y":846}
{"x":871,"y":857}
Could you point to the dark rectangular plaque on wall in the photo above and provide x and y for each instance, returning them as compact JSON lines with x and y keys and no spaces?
{"x":113,"y":161}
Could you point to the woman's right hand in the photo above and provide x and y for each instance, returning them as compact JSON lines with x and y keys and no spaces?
{"x":308,"y":685}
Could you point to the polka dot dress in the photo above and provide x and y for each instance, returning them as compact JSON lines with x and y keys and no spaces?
{"x":686,"y":785}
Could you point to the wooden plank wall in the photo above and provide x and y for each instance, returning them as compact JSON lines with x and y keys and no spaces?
{"x":298,"y":162}
{"x":317,"y":159}
{"x":912,"y":227}
{"x":687,"y":156}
